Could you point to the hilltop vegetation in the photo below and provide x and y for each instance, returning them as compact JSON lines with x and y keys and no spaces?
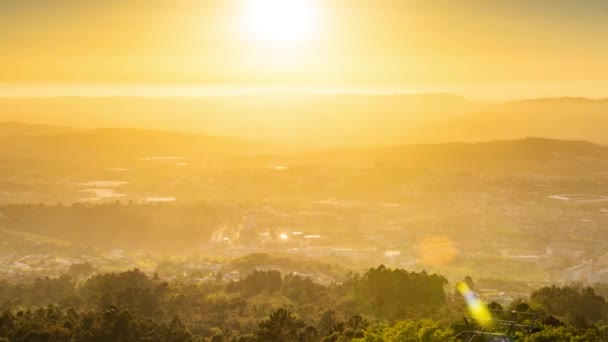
{"x":381,"y":304}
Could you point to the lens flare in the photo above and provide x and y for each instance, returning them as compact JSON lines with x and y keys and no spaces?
{"x":477,"y":308}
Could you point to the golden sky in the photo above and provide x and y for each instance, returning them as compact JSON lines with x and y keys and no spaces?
{"x":347,"y":41}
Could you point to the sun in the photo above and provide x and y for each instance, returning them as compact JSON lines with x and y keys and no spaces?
{"x":280,"y":21}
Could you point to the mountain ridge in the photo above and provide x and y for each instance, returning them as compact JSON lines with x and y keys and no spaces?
{"x":328,"y":119}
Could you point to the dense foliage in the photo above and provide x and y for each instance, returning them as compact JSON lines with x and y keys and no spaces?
{"x":381,"y":304}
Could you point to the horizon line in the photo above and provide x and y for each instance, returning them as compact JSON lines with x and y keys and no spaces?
{"x":488,"y":91}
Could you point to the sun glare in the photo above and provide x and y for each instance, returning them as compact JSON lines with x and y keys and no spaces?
{"x":280,"y":21}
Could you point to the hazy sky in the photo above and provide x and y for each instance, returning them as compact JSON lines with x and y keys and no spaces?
{"x":356,"y":42}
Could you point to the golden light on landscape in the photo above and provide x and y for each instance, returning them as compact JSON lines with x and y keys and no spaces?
{"x":303,"y":170}
{"x":437,"y":250}
{"x":280,"y":22}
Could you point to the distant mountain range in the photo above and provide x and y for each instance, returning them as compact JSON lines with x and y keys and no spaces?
{"x":558,"y":118}
{"x":326,"y":120}
{"x":112,"y":145}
